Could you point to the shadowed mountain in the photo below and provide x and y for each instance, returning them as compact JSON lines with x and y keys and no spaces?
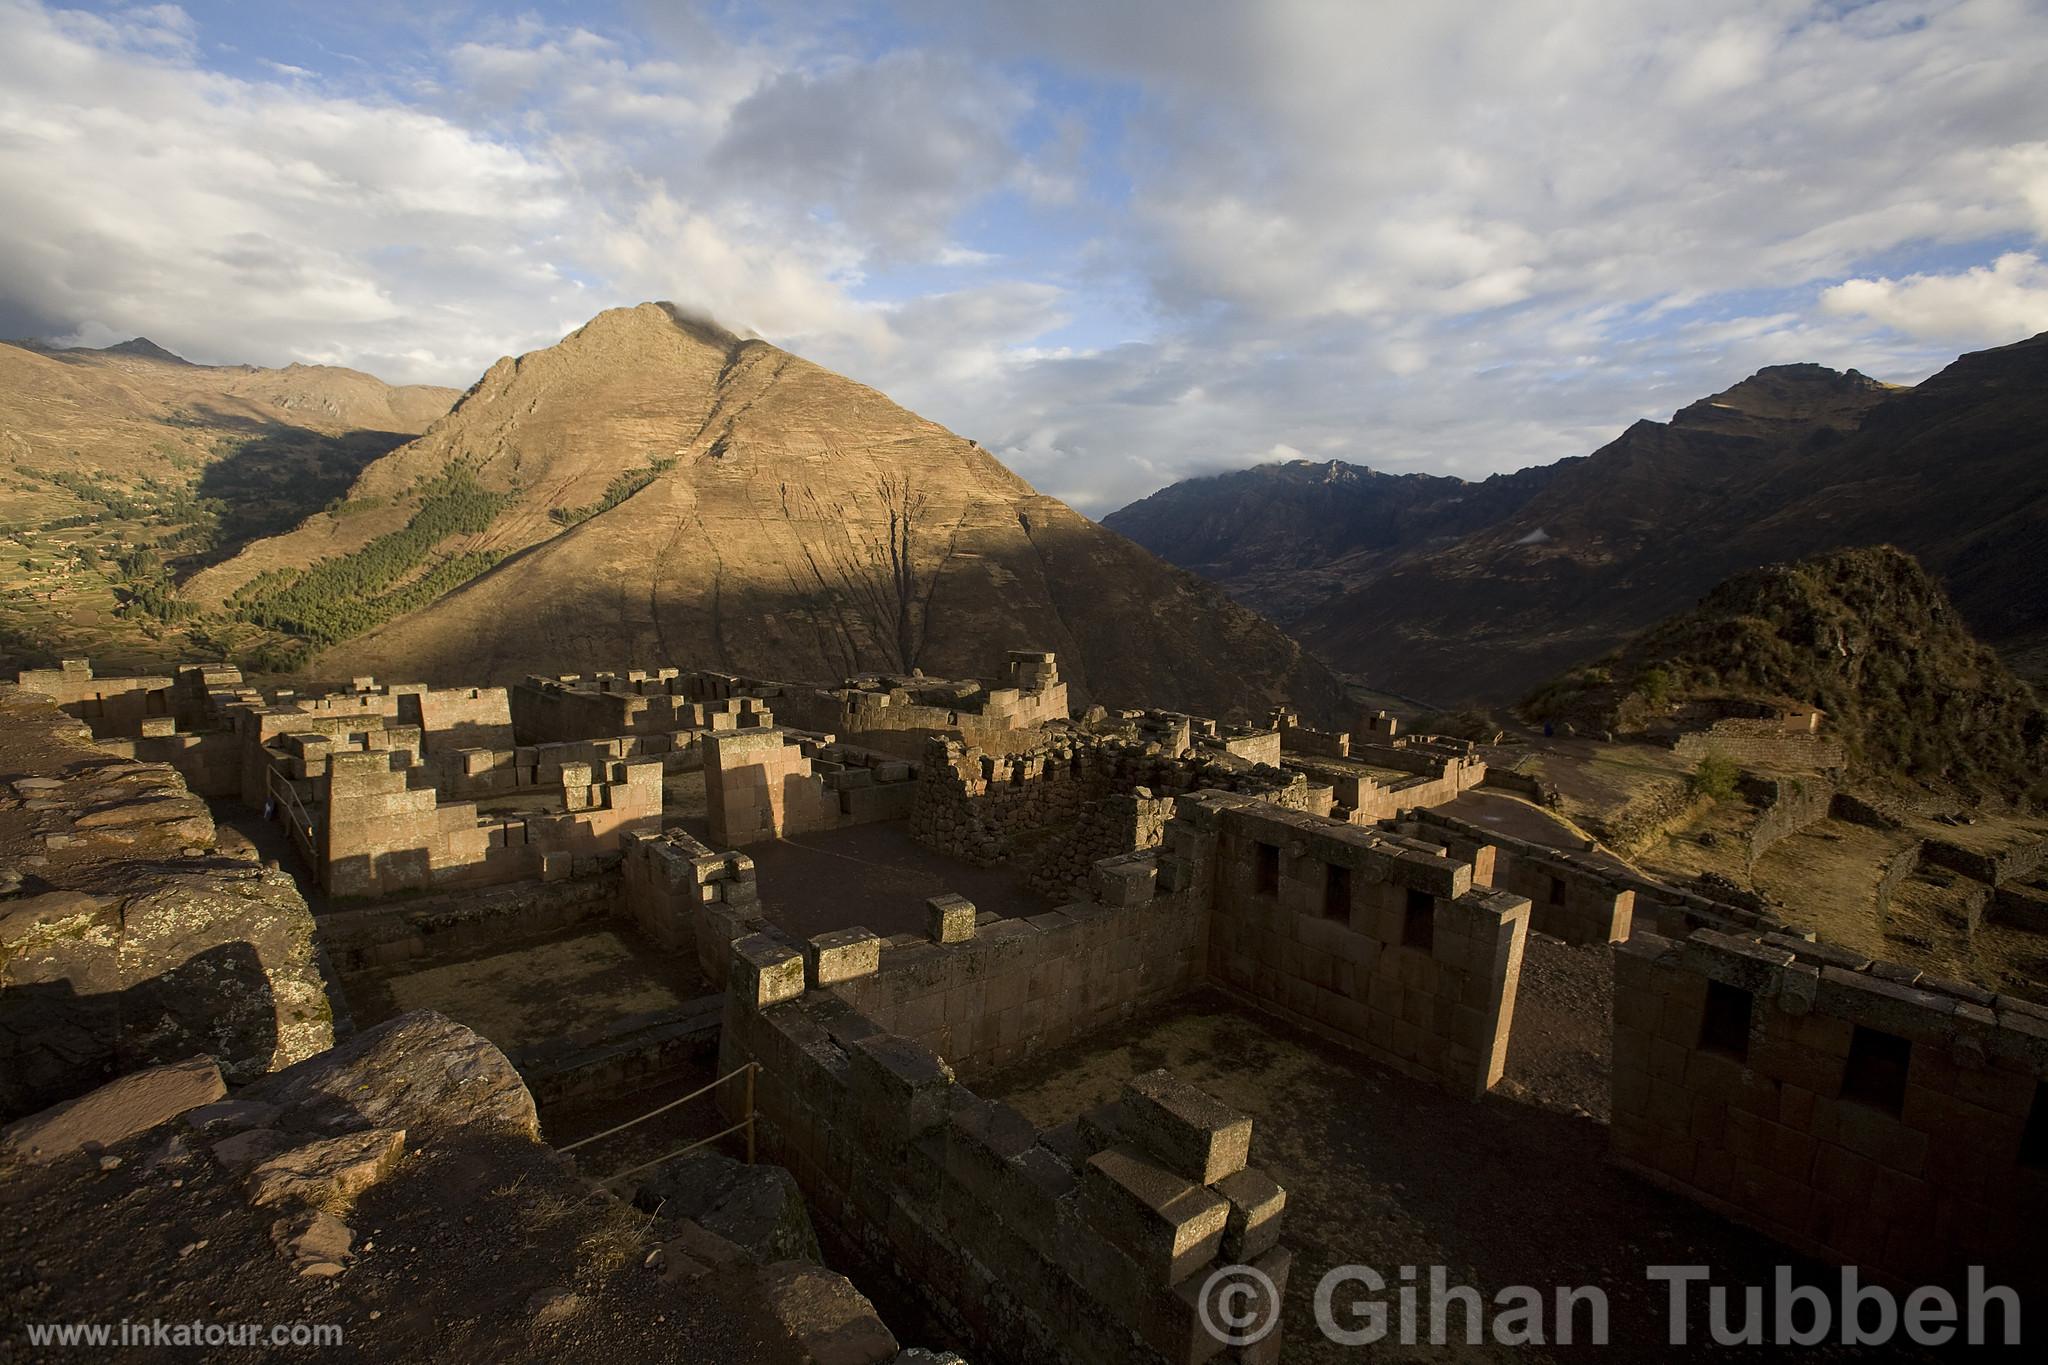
{"x":1285,"y":537}
{"x":654,"y":489}
{"x":1794,"y":461}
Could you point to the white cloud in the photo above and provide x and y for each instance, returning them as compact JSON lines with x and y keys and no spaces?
{"x":1455,"y":236}
{"x":2008,"y":299}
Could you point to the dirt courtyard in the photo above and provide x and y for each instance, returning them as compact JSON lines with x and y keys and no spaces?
{"x":564,"y":986}
{"x":1387,"y":1172}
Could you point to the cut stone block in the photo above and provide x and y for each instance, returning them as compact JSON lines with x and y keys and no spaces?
{"x":765,"y":971}
{"x":1184,"y":1129}
{"x":1168,"y":1226}
{"x":841,"y":956}
{"x":950,"y":918}
{"x":1256,"y":1203}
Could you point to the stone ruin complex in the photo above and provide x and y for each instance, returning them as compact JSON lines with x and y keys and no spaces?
{"x":1852,"y":1110}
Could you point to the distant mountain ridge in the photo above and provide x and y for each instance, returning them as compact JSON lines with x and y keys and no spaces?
{"x":1285,"y":537}
{"x":1793,"y":461}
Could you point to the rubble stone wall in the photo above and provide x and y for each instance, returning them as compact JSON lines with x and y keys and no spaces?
{"x":1763,"y":744}
{"x":984,"y":808}
{"x":1855,"y":1110}
{"x":1788,"y":805}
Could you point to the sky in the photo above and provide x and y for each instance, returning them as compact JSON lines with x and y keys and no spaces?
{"x":1117,"y":243}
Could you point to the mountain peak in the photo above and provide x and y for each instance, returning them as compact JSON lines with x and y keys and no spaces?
{"x":1778,"y":394}
{"x":142,"y":348}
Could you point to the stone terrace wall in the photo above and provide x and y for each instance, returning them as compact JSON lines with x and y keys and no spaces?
{"x":1857,"y":1111}
{"x":1764,"y":744}
{"x":1572,"y":898}
{"x":1787,"y":806}
{"x":1070,"y":1244}
{"x":1897,"y":869}
{"x":1379,"y":942}
{"x":1994,"y":869}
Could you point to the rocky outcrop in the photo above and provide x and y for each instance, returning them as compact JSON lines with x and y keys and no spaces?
{"x":757,"y":1208}
{"x":127,"y":939}
{"x":420,"y":1072}
{"x":114,"y":1112}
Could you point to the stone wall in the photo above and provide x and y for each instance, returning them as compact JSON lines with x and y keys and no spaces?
{"x":571,"y":708}
{"x":483,"y":773}
{"x":110,"y":707}
{"x":1109,"y":827}
{"x":1013,"y":988}
{"x":410,"y":930}
{"x":1571,"y":897}
{"x":1082,"y":1243}
{"x":1296,"y":738}
{"x":768,"y":784}
{"x":983,"y":808}
{"x":381,"y":827}
{"x":1379,"y":942}
{"x":686,"y":897}
{"x":1897,"y":869}
{"x":1765,"y":744}
{"x":1855,"y":1110}
{"x":1786,"y":805}
{"x":2012,"y":864}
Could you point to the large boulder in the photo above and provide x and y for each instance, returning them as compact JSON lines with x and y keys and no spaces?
{"x":421,"y":1072}
{"x":757,"y":1208}
{"x":115,"y":1112}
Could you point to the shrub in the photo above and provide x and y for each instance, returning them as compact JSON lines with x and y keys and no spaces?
{"x":1715,"y":777}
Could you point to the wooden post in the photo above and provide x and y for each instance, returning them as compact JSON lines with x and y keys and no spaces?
{"x":749,"y":1111}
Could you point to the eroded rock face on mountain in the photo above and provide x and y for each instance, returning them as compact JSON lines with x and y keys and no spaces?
{"x":662,"y":491}
{"x":126,"y":938}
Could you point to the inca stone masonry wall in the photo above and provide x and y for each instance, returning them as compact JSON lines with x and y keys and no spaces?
{"x":1857,"y":1111}
{"x":1572,"y":898}
{"x":1379,"y":942}
{"x":382,"y":827}
{"x":1082,"y":1243}
{"x":770,"y":783}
